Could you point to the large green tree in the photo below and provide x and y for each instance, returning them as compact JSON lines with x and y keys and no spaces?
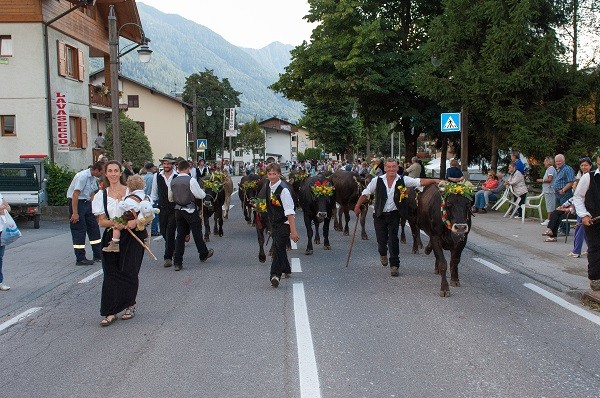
{"x":219,"y":95}
{"x":135,"y":146}
{"x":251,"y":137}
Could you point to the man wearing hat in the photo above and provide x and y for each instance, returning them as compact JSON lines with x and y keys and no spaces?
{"x":160,"y":195}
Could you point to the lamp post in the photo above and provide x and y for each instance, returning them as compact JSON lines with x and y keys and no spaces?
{"x":144,"y":55}
{"x":208,"y":111}
{"x":232,"y":125}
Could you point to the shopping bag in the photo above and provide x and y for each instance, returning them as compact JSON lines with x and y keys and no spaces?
{"x":10,"y":232}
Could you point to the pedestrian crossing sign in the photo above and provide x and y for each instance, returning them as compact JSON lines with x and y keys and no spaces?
{"x":450,"y":122}
{"x":202,"y":144}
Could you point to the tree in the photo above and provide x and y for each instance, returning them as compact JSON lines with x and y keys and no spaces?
{"x":251,"y":137}
{"x":135,"y":146}
{"x":219,"y":95}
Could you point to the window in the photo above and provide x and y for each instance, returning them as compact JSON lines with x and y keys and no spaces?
{"x":294,"y":138}
{"x":6,"y":48}
{"x":142,"y":125}
{"x":8,"y":125}
{"x":239,"y":152}
{"x":71,"y":62}
{"x":78,"y":127}
{"x":133,"y":101}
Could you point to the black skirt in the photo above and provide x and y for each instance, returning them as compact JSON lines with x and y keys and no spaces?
{"x":121,"y":282}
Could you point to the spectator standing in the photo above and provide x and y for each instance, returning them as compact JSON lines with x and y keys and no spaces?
{"x":99,"y":141}
{"x":517,"y":181}
{"x":454,"y":174}
{"x":562,"y":182}
{"x":82,"y":221}
{"x":128,"y":169}
{"x":414,"y":170}
{"x":4,"y":208}
{"x":547,"y":190}
{"x":150,"y":171}
{"x":515,"y":157}
{"x":585,"y":165}
{"x":160,"y":195}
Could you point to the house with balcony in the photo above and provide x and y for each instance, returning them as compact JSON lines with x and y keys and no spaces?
{"x":47,"y":105}
{"x":161,"y":116}
{"x":278,"y":139}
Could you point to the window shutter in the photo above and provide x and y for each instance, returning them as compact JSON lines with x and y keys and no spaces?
{"x":81,"y":64}
{"x":84,"y":134}
{"x":62,"y":58}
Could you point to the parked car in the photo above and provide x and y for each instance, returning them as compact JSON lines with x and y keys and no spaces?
{"x":24,"y":189}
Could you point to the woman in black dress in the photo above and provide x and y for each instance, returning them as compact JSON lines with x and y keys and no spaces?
{"x":121,"y":269}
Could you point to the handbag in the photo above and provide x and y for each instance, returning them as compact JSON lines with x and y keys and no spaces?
{"x":10,"y":232}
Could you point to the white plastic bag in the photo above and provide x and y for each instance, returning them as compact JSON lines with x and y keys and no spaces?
{"x":10,"y":232}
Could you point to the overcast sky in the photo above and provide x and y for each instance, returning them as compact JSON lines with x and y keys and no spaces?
{"x":245,"y":23}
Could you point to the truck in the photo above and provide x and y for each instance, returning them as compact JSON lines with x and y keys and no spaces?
{"x":23,"y":187}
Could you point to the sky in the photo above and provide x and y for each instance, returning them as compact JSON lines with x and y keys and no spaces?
{"x":245,"y":23}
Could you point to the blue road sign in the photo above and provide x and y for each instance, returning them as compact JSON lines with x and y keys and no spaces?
{"x":450,"y":122}
{"x":201,"y":144}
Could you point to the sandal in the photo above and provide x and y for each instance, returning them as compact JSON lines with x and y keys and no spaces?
{"x":547,"y":233}
{"x":108,"y":320}
{"x":128,"y":314}
{"x":550,"y":239}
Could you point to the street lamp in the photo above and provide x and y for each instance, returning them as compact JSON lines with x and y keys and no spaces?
{"x":144,"y":54}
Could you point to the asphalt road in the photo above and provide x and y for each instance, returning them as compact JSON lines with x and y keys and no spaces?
{"x":218,"y":329}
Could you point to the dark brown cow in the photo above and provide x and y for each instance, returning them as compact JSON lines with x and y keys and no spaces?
{"x":348,"y":187}
{"x":212,"y":204}
{"x":261,"y":221}
{"x":316,"y":209}
{"x":247,"y":194}
{"x":447,"y":221}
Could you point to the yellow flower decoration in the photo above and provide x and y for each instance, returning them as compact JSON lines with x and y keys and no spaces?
{"x":403,"y":192}
{"x":458,"y":188}
{"x":274,"y":200}
{"x":251,"y":184}
{"x":322,"y":188}
{"x":260,"y":205}
{"x":213,"y":185}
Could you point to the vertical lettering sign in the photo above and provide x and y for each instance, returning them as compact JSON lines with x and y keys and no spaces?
{"x":63,"y":133}
{"x":231,"y":118}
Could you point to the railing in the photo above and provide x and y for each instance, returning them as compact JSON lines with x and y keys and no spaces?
{"x":99,"y":95}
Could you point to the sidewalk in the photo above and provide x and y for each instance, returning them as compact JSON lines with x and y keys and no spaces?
{"x":521,"y":246}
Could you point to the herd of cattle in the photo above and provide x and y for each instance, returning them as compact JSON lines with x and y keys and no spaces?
{"x":446,"y":219}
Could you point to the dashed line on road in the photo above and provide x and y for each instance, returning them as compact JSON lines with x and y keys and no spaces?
{"x":92,"y":276}
{"x":296,"y":265}
{"x":564,"y":303}
{"x":307,"y":363}
{"x":19,"y":318}
{"x":234,"y":192}
{"x":491,"y":265}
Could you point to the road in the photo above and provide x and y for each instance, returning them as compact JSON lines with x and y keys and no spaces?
{"x":218,"y":329}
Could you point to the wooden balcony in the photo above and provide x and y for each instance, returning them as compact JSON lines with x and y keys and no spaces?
{"x":99,"y":95}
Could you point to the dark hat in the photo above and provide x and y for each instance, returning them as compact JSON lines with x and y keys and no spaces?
{"x":168,"y":158}
{"x":148,"y":165}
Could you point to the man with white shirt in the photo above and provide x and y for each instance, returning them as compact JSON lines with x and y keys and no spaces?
{"x":183,"y":192}
{"x":587,"y":206}
{"x":160,"y":195}
{"x":388,"y":206}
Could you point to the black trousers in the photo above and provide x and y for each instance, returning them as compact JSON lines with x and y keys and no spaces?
{"x":386,"y":231}
{"x":87,"y":225}
{"x":186,"y":223}
{"x":167,"y":230}
{"x":281,"y":238}
{"x":593,"y":237}
{"x":555,"y":220}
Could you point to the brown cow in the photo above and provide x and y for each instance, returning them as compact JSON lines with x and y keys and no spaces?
{"x":246,"y":193}
{"x":348,"y":187}
{"x":446,"y":219}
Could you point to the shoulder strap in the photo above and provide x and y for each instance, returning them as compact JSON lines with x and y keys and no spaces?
{"x":105,"y":202}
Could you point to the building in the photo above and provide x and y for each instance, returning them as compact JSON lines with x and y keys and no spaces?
{"x":161,"y":116}
{"x":278,"y":139}
{"x":46,"y":103}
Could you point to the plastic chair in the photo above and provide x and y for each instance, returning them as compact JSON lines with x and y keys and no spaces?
{"x":501,"y":200}
{"x":515,"y":203}
{"x":532,"y":202}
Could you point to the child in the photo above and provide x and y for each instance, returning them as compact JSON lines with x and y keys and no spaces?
{"x":131,"y":207}
{"x":280,"y":210}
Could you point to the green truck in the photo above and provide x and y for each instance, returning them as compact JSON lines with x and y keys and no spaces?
{"x":23,"y":187}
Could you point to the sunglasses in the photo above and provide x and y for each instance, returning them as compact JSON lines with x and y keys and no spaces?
{"x":585,"y":159}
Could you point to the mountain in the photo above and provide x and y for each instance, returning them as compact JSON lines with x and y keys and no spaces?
{"x":182,"y":47}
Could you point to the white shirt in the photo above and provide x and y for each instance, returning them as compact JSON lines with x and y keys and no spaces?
{"x":389,"y":203}
{"x":286,"y":199}
{"x":579,"y":196}
{"x":154,"y":193}
{"x":112,"y":205}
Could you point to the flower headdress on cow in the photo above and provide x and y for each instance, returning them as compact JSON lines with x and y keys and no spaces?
{"x":210,"y":184}
{"x":250,"y":184}
{"x":322,"y":188}
{"x":464,"y":188}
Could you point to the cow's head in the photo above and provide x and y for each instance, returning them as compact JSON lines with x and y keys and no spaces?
{"x":456,"y":215}
{"x":211,"y":188}
{"x":322,"y":195}
{"x":250,"y":186}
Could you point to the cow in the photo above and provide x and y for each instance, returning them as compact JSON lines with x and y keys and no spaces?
{"x":261,"y":220}
{"x":316,"y":208}
{"x":247,"y":190}
{"x":348,"y":187}
{"x":228,"y":187}
{"x":212,"y":205}
{"x":446,"y":218}
{"x":295,"y":180}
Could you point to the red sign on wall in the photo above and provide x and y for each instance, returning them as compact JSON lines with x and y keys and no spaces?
{"x":63,"y":133}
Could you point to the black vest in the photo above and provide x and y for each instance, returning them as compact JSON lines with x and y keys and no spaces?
{"x":592,"y":196}
{"x":163,"y":192}
{"x":381,"y":197}
{"x":276,"y":214}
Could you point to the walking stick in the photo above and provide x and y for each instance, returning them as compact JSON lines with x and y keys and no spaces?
{"x":143,"y":244}
{"x":353,"y":237}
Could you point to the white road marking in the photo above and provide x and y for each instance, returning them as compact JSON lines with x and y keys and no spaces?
{"x":491,"y":266}
{"x":234,"y":192}
{"x":92,"y":276}
{"x":294,"y":245}
{"x":307,"y":364}
{"x":563,"y":303}
{"x":19,"y":318}
{"x":296,"y":265}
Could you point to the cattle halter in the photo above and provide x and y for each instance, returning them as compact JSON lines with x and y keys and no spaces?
{"x":445,"y":220}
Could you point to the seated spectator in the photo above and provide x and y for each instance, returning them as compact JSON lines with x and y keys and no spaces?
{"x":454,"y":174}
{"x":563,"y":212}
{"x":482,"y":196}
{"x":517,"y":182}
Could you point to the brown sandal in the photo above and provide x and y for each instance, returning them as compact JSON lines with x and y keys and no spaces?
{"x":108,"y":320}
{"x":550,"y":239}
{"x":128,"y":314}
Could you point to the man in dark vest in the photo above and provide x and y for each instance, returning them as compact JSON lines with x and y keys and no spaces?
{"x":389,"y":204}
{"x":183,"y":192}
{"x":587,"y":206}
{"x":160,"y":195}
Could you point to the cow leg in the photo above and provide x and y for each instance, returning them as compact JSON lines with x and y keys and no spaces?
{"x":226,"y":206}
{"x":326,"y":245}
{"x":337,"y":220}
{"x":206,"y":218}
{"x":440,"y":264}
{"x":454,"y":261}
{"x":317,"y":235}
{"x":428,"y":248}
{"x":347,"y":216}
{"x":219,"y":220}
{"x":363,"y":218}
{"x":260,"y":234}
{"x":309,"y":234}
{"x":402,"y":226}
{"x":416,"y":235}
{"x":247,"y":212}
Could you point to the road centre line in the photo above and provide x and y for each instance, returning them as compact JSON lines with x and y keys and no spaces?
{"x":491,"y":266}
{"x":92,"y":276}
{"x":296,"y":265}
{"x":19,"y":318}
{"x":563,"y":303}
{"x":307,"y":364}
{"x":234,"y":192}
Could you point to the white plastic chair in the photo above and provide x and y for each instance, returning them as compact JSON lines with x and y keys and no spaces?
{"x":514,"y":201}
{"x":532,"y":202}
{"x":502,"y":199}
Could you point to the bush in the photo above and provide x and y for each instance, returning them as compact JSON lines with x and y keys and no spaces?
{"x":135,"y":146}
{"x":59,"y":179}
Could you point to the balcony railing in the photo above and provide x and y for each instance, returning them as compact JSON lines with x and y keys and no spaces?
{"x":99,"y":95}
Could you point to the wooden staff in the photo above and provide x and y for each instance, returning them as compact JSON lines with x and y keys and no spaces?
{"x":142,"y":243}
{"x":353,"y":237}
